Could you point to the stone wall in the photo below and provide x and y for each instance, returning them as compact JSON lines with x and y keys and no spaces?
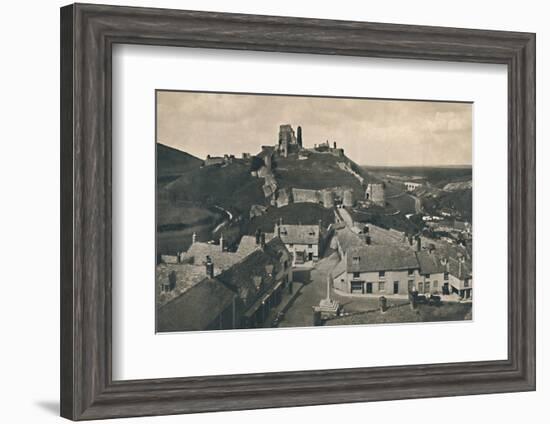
{"x":301,"y":195}
{"x":376,"y":193}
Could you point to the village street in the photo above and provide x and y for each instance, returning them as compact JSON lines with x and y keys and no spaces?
{"x":300,"y":311}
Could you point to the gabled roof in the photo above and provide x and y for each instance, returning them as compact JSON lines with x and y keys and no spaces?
{"x":348,"y":239}
{"x":299,"y":234}
{"x":196,"y":309}
{"x":380,"y":258}
{"x":460,"y":270}
{"x":222,"y":260}
{"x":248,"y":244}
{"x":429,"y":263}
{"x":187,"y":276}
{"x":339,"y":269}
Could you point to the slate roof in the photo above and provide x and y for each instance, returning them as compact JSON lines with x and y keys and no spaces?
{"x":261,"y":266}
{"x":380,"y":258}
{"x":348,"y":239}
{"x":248,"y":244}
{"x":339,"y":269}
{"x":222,"y":260}
{"x":196,"y":309}
{"x":429,"y":263}
{"x":299,"y":234}
{"x":186,"y":277}
{"x":460,"y":271}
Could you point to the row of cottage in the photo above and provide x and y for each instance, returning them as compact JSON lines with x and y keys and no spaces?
{"x":367,"y":268}
{"x":208,"y":287}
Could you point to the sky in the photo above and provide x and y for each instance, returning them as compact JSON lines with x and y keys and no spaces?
{"x":371,"y":131}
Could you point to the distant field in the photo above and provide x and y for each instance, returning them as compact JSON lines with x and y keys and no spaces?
{"x":438,"y":176}
{"x":188,"y":213}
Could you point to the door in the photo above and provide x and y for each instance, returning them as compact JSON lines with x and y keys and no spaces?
{"x":369,"y":287}
{"x":310,"y":256}
{"x":395,"y":287}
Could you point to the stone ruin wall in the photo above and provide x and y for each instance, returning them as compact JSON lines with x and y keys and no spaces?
{"x":376,"y":194}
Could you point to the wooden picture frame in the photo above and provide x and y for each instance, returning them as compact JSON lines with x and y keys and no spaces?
{"x":88,"y":33}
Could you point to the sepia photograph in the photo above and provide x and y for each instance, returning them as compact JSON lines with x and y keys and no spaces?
{"x":281,"y":210}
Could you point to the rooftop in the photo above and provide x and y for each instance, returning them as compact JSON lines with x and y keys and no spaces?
{"x":196,"y":309}
{"x":187,"y":276}
{"x":222,"y":260}
{"x":380,"y":258}
{"x":430,"y":263}
{"x":299,"y":234}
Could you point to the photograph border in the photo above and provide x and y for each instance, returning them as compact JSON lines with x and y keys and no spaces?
{"x":88,"y":33}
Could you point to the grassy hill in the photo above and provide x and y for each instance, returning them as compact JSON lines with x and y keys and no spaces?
{"x":319,"y":171}
{"x":171,"y":163}
{"x":231,"y":187}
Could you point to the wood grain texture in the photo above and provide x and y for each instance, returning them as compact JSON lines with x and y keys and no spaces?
{"x":88,"y":33}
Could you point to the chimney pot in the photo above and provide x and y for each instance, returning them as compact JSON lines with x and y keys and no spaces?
{"x":209,"y":267}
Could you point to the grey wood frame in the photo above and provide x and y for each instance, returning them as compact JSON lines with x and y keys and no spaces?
{"x":88,"y":33}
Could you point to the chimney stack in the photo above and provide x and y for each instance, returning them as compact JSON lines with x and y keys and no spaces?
{"x":258,"y":234}
{"x":418,"y":244}
{"x":221,"y":243}
{"x":194,"y":238}
{"x":209,"y":267}
{"x":262,"y":240}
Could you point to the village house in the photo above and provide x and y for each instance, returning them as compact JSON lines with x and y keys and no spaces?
{"x":434,"y":276}
{"x":302,"y":241}
{"x":239,"y":297}
{"x":412,"y":186}
{"x":460,"y":277}
{"x":382,"y":270}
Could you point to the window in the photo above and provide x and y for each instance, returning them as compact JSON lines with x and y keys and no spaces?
{"x":466,"y":283}
{"x":410,"y":285}
{"x":291,"y":245}
{"x":427,"y":287}
{"x":446,"y":276}
{"x":427,"y":275}
{"x":310,"y":246}
{"x":381,"y":286}
{"x":381,"y":274}
{"x":411,"y":272}
{"x":356,"y":274}
{"x":355,"y":260}
{"x":436,"y":284}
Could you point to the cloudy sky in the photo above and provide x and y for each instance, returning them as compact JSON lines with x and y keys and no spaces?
{"x":372,"y":132}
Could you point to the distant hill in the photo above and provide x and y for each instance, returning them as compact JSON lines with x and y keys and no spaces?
{"x":171,"y":163}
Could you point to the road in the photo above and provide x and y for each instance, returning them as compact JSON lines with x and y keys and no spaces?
{"x":300,"y":313}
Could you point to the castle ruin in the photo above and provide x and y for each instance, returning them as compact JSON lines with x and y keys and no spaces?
{"x":375,"y":193}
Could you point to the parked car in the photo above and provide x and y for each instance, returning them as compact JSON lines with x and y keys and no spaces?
{"x":434,"y":300}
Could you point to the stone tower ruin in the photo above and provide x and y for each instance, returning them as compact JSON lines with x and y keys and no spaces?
{"x":287,"y":140}
{"x":375,"y":193}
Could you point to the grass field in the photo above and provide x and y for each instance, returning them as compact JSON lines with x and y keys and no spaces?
{"x":402,"y":313}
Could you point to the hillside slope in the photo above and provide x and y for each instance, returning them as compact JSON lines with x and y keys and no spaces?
{"x":171,"y":163}
{"x":318,"y":171}
{"x":230,"y":187}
